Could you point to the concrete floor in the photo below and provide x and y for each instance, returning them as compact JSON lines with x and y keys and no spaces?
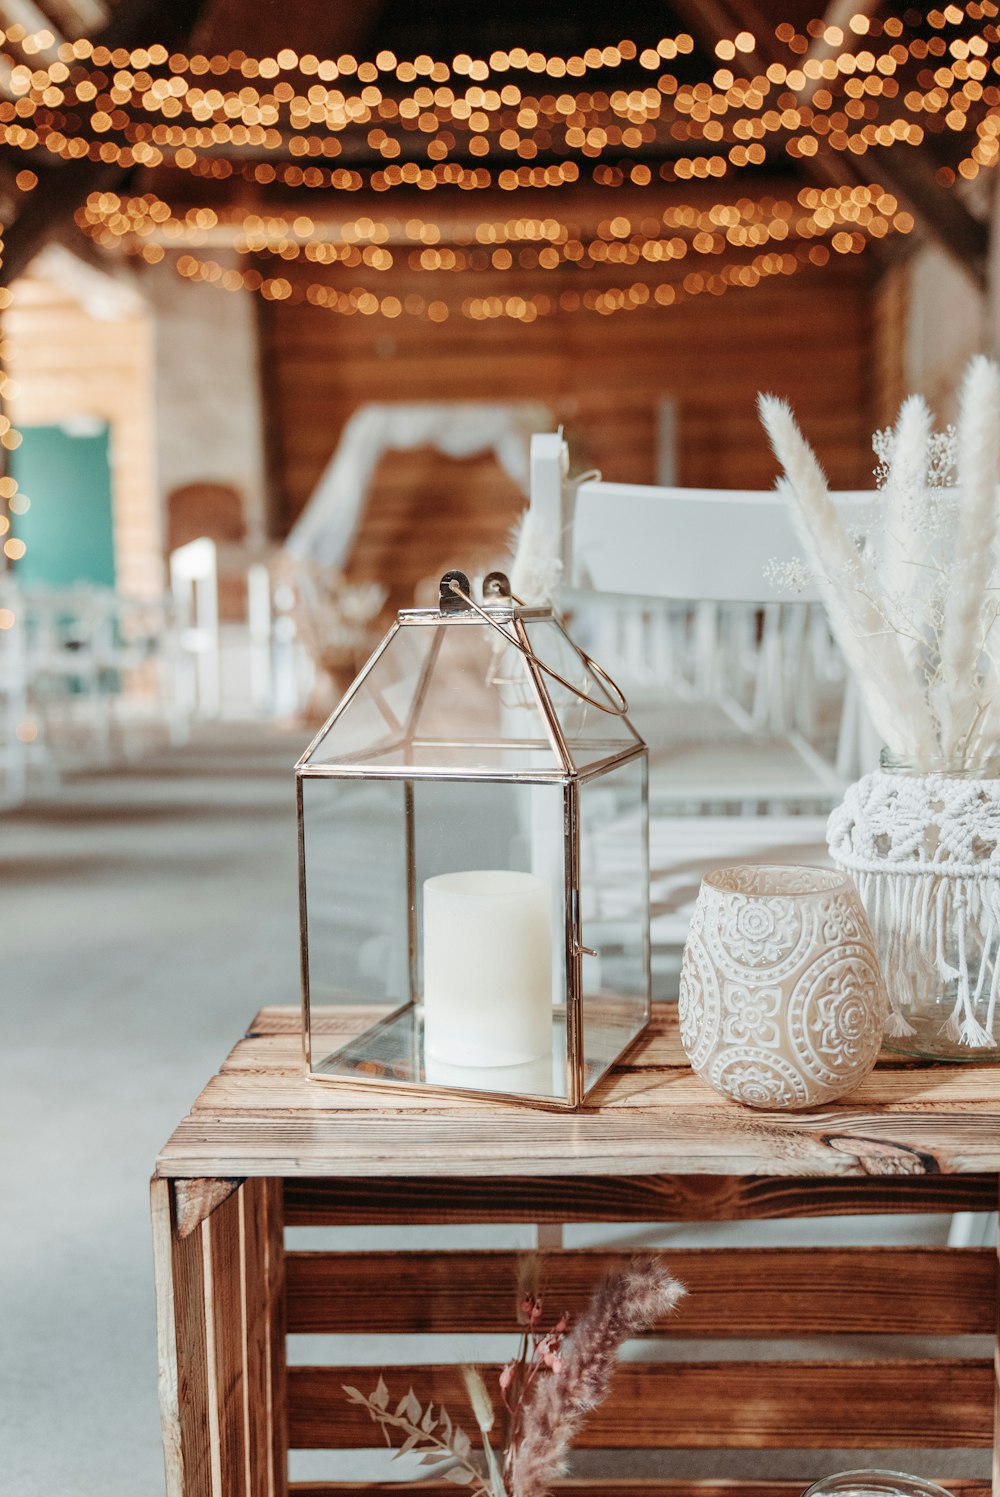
{"x":147,"y":913}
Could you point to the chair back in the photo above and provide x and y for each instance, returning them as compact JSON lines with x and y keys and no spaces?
{"x":689,"y":601}
{"x":695,"y":545}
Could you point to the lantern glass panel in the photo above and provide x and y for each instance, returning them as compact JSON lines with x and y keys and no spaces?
{"x":370,"y":847}
{"x":355,"y":894}
{"x":374,"y":720}
{"x":614,"y":912}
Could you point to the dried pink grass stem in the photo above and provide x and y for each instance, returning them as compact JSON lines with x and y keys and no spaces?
{"x":624,"y":1304}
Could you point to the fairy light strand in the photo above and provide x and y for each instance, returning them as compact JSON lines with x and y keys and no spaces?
{"x":606,"y":301}
{"x":126,"y":107}
{"x":820,"y":222}
{"x":146,"y":226}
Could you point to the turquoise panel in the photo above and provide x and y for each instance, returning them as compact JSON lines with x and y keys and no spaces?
{"x":68,"y":528}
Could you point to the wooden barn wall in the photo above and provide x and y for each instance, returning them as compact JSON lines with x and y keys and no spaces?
{"x":811,"y":338}
{"x":64,"y":363}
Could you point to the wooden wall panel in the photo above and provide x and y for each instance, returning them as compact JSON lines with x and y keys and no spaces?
{"x":65,"y":363}
{"x":810,"y":338}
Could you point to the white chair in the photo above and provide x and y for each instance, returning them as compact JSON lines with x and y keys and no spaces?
{"x":728,"y":672}
{"x":195,"y":588}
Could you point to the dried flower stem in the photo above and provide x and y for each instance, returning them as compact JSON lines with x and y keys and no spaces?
{"x":623,"y":1305}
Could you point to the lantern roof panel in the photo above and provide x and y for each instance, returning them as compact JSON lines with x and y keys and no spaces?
{"x":499,"y":690}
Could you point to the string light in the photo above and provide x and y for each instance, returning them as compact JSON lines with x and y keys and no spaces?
{"x":148,"y":107}
{"x":132,"y":223}
{"x":14,"y":549}
{"x":603,"y":302}
{"x":819,"y":221}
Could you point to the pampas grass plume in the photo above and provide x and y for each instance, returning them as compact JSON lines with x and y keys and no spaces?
{"x":623,"y":1305}
{"x":858,"y":609}
{"x":536,"y":570}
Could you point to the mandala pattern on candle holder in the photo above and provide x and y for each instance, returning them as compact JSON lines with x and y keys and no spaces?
{"x":782,"y":1000}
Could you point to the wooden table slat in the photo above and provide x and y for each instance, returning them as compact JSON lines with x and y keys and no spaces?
{"x":263,"y":1116}
{"x":772,"y":1292}
{"x":603,"y":1198}
{"x":945,"y":1403}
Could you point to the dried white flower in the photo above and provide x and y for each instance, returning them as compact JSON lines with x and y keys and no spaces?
{"x":914,"y":605}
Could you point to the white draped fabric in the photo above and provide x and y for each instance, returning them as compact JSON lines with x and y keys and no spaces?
{"x":325,"y":530}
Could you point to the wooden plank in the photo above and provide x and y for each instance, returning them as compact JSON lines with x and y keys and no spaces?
{"x":262,"y":1246}
{"x":249,"y":1086}
{"x":193,"y":1372}
{"x":271,"y":1051}
{"x":197,"y":1199}
{"x":258,"y":1330}
{"x":602,"y":1487}
{"x":995,"y":1469}
{"x":276,"y":1329}
{"x":225,"y":1296}
{"x":750,"y":1292}
{"x":480,"y":1142}
{"x":945,"y":1403}
{"x":651,"y":1117}
{"x":320,"y":367}
{"x":597,"y":1198}
{"x":166,"y":1337}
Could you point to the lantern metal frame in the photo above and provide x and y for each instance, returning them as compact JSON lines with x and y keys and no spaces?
{"x":503,"y":612}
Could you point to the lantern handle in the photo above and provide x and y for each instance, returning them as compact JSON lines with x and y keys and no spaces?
{"x":619,"y":705}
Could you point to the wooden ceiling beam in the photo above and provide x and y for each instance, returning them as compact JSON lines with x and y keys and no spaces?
{"x":942,"y":216}
{"x":79,"y":17}
{"x":838,"y":13}
{"x":324,"y":27}
{"x":29,"y":15}
{"x":582,"y":203}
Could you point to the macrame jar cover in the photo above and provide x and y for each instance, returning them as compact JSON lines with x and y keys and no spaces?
{"x":924,"y":851}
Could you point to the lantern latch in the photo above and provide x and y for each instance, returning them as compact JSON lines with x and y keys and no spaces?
{"x":496,"y":586}
{"x":451,"y":600}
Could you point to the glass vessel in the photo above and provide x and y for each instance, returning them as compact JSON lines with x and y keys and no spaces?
{"x":474,"y":885}
{"x":874,"y":1484}
{"x":922,"y":845}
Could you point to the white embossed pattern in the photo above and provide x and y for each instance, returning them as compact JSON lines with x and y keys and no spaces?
{"x":782,"y":1000}
{"x":924,"y":851}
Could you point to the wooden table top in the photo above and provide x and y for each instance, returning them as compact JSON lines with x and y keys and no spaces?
{"x":261,"y":1115}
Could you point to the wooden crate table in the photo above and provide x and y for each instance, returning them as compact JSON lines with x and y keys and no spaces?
{"x":263,"y":1148}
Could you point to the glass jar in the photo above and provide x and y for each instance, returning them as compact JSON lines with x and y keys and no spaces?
{"x":922,"y":841}
{"x":875,"y":1484}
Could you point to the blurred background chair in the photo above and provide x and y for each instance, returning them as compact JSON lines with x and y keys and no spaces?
{"x":753,"y":723}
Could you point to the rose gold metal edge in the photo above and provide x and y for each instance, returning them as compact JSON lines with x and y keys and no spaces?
{"x":647,"y":935}
{"x":432,"y":1089}
{"x":605,"y":766}
{"x":303,"y":926}
{"x":574,"y":955}
{"x":543,"y":701}
{"x":411,"y":889}
{"x":415,"y":772}
{"x":349,"y":694}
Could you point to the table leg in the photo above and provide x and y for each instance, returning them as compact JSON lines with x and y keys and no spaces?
{"x":219,"y":1259}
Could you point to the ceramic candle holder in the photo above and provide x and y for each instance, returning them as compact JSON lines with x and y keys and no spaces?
{"x":782,"y":999}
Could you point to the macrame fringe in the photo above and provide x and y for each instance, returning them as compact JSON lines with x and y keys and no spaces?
{"x":913,"y":917}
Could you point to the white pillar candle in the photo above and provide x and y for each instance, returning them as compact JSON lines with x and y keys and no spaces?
{"x":487,"y":968}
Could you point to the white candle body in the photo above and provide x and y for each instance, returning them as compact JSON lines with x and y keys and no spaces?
{"x":487,"y":968}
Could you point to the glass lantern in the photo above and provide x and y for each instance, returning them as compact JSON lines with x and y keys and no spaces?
{"x":474,"y":874}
